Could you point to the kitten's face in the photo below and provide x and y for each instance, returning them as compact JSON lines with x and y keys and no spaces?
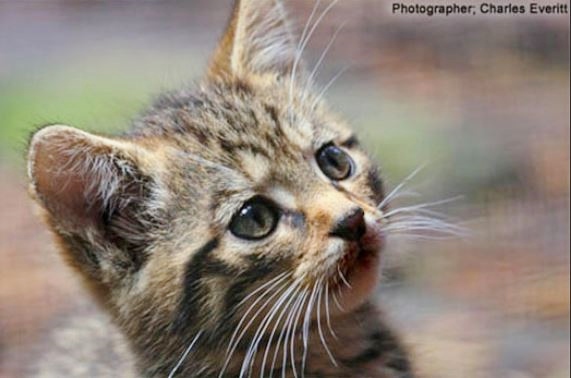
{"x":246,"y":186}
{"x":294,"y":194}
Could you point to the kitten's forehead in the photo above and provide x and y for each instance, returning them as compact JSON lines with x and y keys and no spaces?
{"x":256,"y":132}
{"x":239,"y":140}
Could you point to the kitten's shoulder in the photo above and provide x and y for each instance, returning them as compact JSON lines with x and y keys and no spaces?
{"x":82,"y":345}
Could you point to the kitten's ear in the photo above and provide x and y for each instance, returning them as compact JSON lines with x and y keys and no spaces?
{"x":94,"y":191}
{"x":257,"y":40}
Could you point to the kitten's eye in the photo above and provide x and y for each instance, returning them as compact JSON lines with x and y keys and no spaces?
{"x":334,"y":162}
{"x":255,"y":220}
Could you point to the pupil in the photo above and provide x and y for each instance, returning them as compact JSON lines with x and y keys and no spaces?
{"x":258,"y":216}
{"x":334,"y":159}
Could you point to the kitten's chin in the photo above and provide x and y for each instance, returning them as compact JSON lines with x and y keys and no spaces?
{"x":361,"y":271}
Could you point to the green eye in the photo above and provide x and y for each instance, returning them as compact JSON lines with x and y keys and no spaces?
{"x":334,"y":162}
{"x":255,"y":220}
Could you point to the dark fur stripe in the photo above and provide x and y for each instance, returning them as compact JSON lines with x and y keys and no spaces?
{"x":273,"y":113}
{"x":351,"y":142}
{"x":376,"y":184}
{"x":378,"y":346}
{"x":193,"y":290}
{"x":259,"y":268}
{"x":382,"y":345}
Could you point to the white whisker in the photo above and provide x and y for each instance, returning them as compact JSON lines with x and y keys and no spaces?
{"x":315,"y":25}
{"x":422,"y":206}
{"x":286,"y":308}
{"x":433,"y":227}
{"x":304,"y":41}
{"x":425,"y":221}
{"x":278,"y":277}
{"x":327,"y":312}
{"x":293,"y":338}
{"x":184,"y":355}
{"x":313,"y":73}
{"x":235,"y":341}
{"x":406,"y":180}
{"x":320,"y":330}
{"x":418,"y":221}
{"x":275,"y":283}
{"x":262,"y":327}
{"x":283,"y":330}
{"x":336,"y":300}
{"x":306,"y":324}
{"x":342,"y":276}
{"x":325,"y":88}
{"x":298,"y":54}
{"x":290,"y":333}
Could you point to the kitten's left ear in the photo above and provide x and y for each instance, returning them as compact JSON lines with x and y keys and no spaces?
{"x":257,"y":41}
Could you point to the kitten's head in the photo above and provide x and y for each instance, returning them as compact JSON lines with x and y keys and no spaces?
{"x":247,"y":181}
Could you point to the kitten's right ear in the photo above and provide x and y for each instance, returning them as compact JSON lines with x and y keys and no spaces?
{"x":74,"y":174}
{"x":94,"y":190}
{"x":258,"y":40}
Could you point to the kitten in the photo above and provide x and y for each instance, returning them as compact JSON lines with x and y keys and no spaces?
{"x":234,"y":230}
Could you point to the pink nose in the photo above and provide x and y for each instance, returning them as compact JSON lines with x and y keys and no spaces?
{"x":351,"y":226}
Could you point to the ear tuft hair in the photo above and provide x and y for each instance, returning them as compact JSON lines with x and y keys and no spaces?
{"x":257,"y":40}
{"x":94,"y":191}
{"x":75,"y":174}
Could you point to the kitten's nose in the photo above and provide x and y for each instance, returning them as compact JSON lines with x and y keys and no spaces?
{"x":351,"y":226}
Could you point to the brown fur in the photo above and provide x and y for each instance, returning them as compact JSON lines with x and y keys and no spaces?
{"x":144,"y":217}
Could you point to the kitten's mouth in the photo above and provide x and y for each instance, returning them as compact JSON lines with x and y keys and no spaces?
{"x":358,"y":268}
{"x":363,"y":253}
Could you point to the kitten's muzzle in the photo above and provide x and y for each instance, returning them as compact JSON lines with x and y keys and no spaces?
{"x":351,"y":226}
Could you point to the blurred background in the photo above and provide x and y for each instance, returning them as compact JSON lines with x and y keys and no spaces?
{"x":483,"y":100}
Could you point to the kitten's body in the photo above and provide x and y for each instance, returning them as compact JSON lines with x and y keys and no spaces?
{"x":82,"y":344}
{"x":89,"y":345}
{"x":146,"y":219}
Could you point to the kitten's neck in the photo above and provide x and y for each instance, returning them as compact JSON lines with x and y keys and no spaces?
{"x":353,"y":344}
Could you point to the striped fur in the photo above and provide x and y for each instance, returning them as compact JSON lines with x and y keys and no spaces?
{"x":144,"y":220}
